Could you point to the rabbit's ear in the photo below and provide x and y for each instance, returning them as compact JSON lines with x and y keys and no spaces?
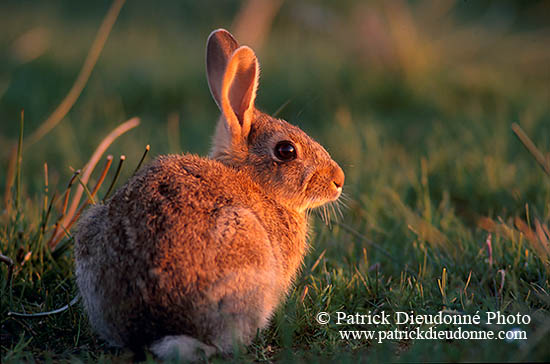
{"x":219,"y":48}
{"x":239,"y":86}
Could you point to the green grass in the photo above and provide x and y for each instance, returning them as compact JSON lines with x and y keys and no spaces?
{"x":420,"y":120}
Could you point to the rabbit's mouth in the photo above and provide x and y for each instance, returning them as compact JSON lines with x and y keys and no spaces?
{"x":335,"y":191}
{"x":338,"y":191}
{"x":317,"y":197}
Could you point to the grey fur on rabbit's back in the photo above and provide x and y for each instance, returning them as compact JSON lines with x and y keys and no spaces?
{"x":193,"y":254}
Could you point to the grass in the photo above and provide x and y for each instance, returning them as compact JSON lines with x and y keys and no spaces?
{"x":446,"y":209}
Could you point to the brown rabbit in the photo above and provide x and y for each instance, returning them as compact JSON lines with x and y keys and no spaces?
{"x":193,"y":254}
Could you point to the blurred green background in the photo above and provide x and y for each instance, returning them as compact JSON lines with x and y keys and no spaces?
{"x":403,"y":72}
{"x":414,"y":99}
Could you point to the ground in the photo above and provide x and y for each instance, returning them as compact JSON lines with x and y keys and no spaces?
{"x":446,"y":207}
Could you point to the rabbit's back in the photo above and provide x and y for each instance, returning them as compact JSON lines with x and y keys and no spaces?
{"x":179,"y":229}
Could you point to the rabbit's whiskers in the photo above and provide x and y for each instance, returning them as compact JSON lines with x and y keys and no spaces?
{"x":331,"y":211}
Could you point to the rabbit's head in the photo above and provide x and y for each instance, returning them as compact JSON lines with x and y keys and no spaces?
{"x":288,"y":164}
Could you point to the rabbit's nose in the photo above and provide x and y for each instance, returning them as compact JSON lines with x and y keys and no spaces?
{"x":338,"y":177}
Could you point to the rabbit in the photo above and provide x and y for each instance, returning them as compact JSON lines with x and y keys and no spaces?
{"x":193,"y":254}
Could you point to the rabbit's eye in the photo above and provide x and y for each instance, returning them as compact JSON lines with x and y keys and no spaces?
{"x":285,"y":151}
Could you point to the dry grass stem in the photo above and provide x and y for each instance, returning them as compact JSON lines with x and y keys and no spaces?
{"x":537,"y":240}
{"x":43,"y":314}
{"x":19,"y":161}
{"x":68,"y":192}
{"x":253,"y":22}
{"x":85,"y":72}
{"x":318,"y":261}
{"x":147,"y":148}
{"x":64,"y":208}
{"x":87,"y":201}
{"x":88,"y":169}
{"x":108,"y":162}
{"x":531,"y":148}
{"x":94,"y":159}
{"x":117,"y":173}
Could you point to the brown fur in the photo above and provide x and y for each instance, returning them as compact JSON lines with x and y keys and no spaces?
{"x":196,"y":253}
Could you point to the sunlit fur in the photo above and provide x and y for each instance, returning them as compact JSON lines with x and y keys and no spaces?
{"x":194,"y":254}
{"x":303,"y":183}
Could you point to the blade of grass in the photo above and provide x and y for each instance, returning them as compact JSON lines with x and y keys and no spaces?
{"x":18,"y":165}
{"x":317,"y":261}
{"x":83,"y":185}
{"x":45,"y":187}
{"x":48,"y":212}
{"x":12,"y":161}
{"x":349,"y":229}
{"x":281,"y":108}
